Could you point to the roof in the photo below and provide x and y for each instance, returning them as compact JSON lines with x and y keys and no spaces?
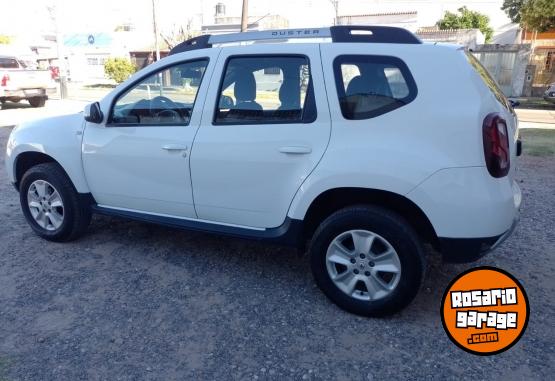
{"x":344,"y":33}
{"x":431,"y":33}
{"x":408,"y":13}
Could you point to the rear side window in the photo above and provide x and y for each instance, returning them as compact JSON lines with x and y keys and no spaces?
{"x":369,"y":86}
{"x":8,"y":63}
{"x":266,"y":90}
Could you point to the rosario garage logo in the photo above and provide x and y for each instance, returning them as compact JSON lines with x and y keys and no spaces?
{"x":485,"y":311}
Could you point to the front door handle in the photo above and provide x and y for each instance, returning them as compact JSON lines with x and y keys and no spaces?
{"x":175,"y":147}
{"x":298,"y":150}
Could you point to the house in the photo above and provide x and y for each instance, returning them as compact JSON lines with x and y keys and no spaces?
{"x":542,"y":59}
{"x":407,"y":19}
{"x":469,"y":38}
{"x":224,"y":23}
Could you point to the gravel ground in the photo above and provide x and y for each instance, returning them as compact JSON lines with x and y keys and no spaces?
{"x":134,"y":301}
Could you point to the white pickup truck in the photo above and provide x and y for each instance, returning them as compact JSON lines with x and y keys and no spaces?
{"x":18,"y":82}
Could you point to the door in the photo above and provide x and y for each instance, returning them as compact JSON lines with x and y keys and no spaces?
{"x":139,"y":159}
{"x":265,"y":126}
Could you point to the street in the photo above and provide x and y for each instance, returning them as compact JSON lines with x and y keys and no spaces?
{"x":133,"y":301}
{"x":536,"y":118}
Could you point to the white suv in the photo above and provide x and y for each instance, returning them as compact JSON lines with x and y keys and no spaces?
{"x":354,"y":142}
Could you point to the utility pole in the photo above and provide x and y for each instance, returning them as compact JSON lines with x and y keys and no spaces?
{"x":155,"y":26}
{"x":335,"y":4}
{"x":62,"y":68}
{"x":245,"y":16}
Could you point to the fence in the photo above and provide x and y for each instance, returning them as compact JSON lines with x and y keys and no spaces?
{"x":507,"y":64}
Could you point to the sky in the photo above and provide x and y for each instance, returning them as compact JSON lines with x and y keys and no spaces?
{"x":31,"y":17}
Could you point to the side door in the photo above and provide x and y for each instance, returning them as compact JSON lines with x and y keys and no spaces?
{"x":264,"y":128}
{"x":138,"y":159}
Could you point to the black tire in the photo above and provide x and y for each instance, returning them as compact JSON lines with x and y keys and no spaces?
{"x":37,"y":101}
{"x":76,"y":213}
{"x":399,"y":234}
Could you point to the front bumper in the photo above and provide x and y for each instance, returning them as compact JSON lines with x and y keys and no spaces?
{"x":464,"y":250}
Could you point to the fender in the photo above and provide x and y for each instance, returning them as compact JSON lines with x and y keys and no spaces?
{"x":59,"y":137}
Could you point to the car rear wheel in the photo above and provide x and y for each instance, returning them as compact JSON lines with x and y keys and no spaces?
{"x":367,"y":260}
{"x":37,"y":101}
{"x":51,"y":205}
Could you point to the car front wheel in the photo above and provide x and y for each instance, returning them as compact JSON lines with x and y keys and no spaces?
{"x":51,"y":205}
{"x":368,"y":260}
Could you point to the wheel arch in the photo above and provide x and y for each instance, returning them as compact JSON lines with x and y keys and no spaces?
{"x":334,"y":199}
{"x":28,"y":159}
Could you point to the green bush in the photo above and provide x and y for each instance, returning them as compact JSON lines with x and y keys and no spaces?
{"x":119,"y":69}
{"x":467,"y":19}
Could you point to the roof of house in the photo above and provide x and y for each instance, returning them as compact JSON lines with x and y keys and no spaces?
{"x":407,"y":13}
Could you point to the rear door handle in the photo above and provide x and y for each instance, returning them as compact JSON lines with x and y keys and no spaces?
{"x":175,"y":147}
{"x":298,"y":150}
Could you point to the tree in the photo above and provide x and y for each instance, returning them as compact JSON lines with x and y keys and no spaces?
{"x":177,"y":34}
{"x":537,"y":15}
{"x":466,"y":19}
{"x":512,"y":9}
{"x":5,"y":40}
{"x":119,"y":69}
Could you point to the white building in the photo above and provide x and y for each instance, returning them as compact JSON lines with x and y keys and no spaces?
{"x":416,"y":14}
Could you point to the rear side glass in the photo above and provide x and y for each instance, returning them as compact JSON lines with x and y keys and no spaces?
{"x":488,"y":80}
{"x":266,"y":90}
{"x":369,"y":86}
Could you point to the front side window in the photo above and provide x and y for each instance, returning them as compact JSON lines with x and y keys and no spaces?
{"x":163,"y":98}
{"x":369,"y":86}
{"x":266,"y":89}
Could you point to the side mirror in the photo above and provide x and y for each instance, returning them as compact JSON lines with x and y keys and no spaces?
{"x":514,"y":103}
{"x":93,"y":114}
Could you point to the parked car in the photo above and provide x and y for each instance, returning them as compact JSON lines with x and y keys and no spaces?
{"x":18,"y":82}
{"x":549,"y":94}
{"x":349,"y":148}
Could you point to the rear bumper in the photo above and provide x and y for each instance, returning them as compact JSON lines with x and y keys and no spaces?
{"x":464,"y":250}
{"x":27,"y":93}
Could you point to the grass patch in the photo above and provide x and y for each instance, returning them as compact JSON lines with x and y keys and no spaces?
{"x":538,"y":142}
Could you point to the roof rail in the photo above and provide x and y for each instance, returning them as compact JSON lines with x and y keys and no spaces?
{"x":373,"y":34}
{"x":342,"y":33}
{"x":199,"y":42}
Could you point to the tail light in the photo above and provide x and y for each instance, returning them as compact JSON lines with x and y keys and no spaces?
{"x":496,"y":145}
{"x":5,"y":79}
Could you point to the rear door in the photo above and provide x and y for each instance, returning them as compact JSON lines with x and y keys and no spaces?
{"x":265,"y":126}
